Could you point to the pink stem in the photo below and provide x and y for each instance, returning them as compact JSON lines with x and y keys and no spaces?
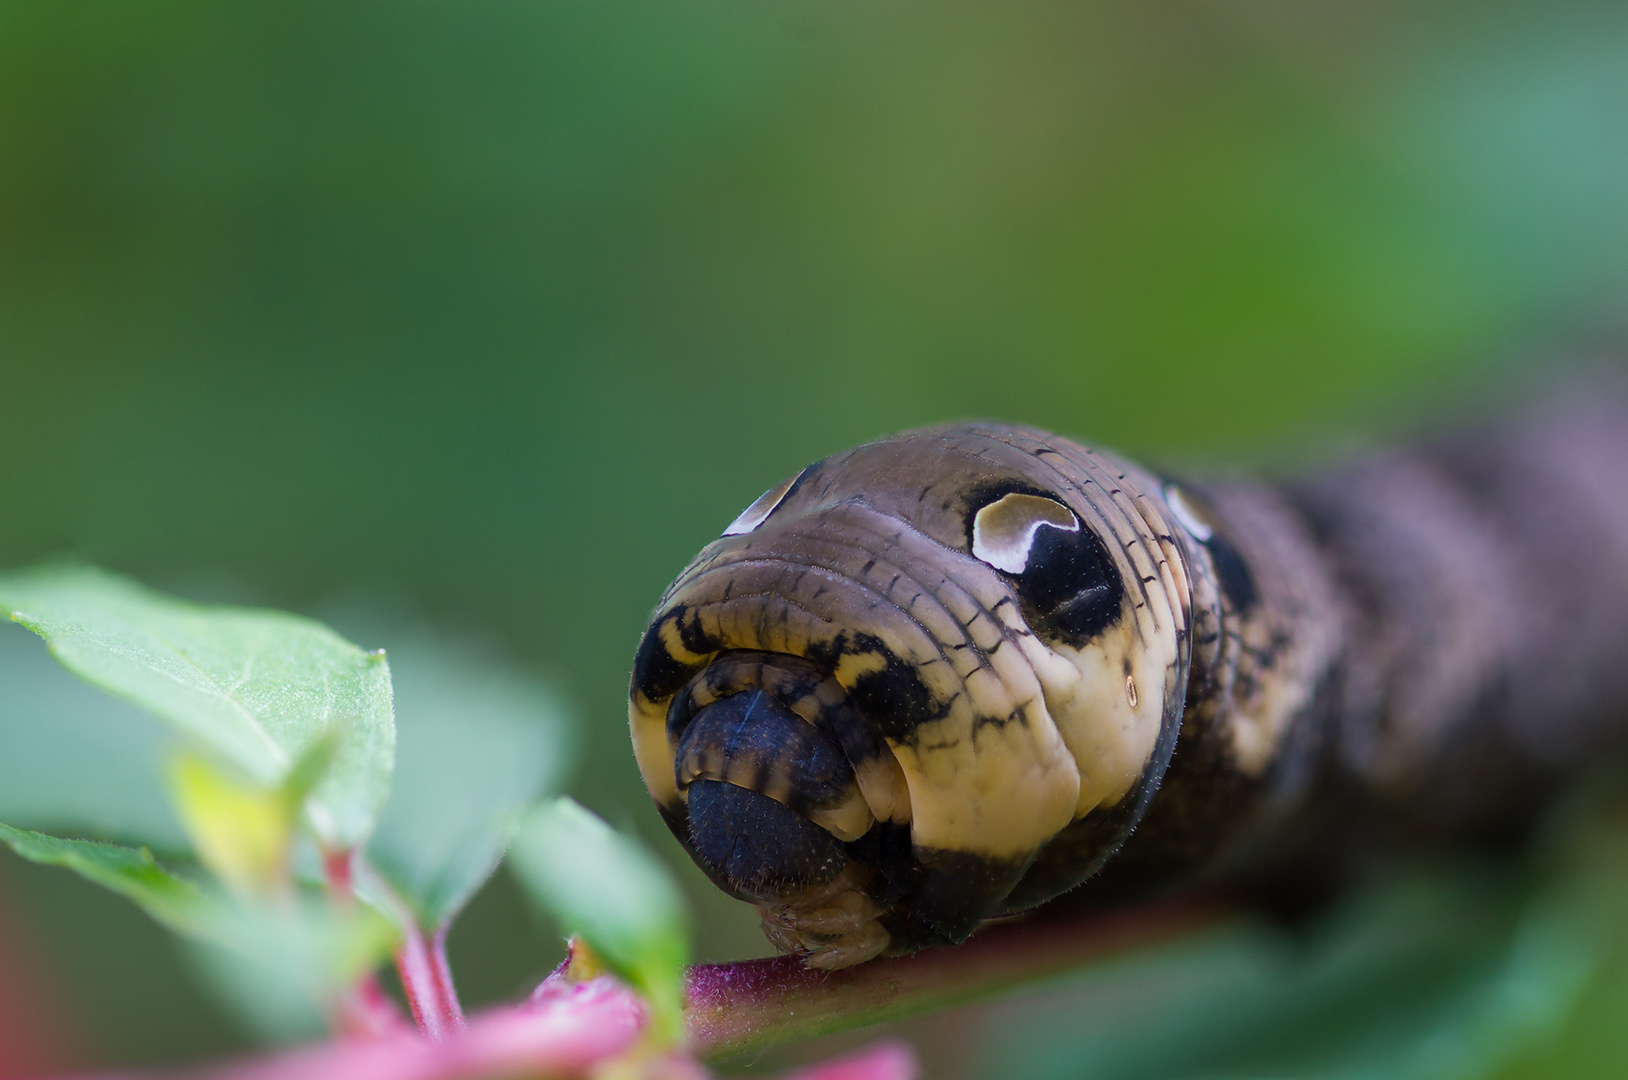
{"x":566,"y":1036}
{"x":337,"y":866}
{"x":364,"y":1011}
{"x":427,"y":980}
{"x":891,"y":1059}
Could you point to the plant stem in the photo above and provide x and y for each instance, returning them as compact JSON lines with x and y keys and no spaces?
{"x":427,"y":980}
{"x":566,"y":1038}
{"x":749,"y":1004}
{"x":337,"y":867}
{"x":364,"y":1010}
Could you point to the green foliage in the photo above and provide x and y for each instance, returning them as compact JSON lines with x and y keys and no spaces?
{"x":130,"y":872}
{"x":477,"y":745}
{"x":287,"y":731}
{"x":284,"y":724}
{"x":74,"y":761}
{"x":259,"y":688}
{"x":603,"y":886}
{"x":295,"y":950}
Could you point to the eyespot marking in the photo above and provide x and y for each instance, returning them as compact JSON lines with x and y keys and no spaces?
{"x":1187,"y":514}
{"x":1003,"y":532}
{"x":761,"y":507}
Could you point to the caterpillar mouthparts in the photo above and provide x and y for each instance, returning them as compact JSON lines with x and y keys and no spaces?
{"x":751,"y":770}
{"x":773,"y":812}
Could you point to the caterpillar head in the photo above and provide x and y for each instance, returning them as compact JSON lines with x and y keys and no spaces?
{"x":922,"y":682}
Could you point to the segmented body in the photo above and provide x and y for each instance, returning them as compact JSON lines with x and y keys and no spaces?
{"x":957,"y":673}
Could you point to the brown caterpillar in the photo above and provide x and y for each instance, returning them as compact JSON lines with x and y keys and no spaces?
{"x":955,"y":673}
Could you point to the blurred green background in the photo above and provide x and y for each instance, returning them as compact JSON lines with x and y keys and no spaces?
{"x":497,"y":312}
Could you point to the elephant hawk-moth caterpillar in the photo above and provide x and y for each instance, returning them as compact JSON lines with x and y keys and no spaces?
{"x":955,"y":673}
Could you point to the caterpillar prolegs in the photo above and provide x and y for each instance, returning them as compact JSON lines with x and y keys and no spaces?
{"x":958,"y":672}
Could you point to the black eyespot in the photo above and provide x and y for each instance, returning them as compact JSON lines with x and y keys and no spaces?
{"x":1070,"y":590}
{"x":1067,"y":585}
{"x":1233,"y":573}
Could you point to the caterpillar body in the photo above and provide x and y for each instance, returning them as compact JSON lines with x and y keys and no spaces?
{"x":959,"y":672}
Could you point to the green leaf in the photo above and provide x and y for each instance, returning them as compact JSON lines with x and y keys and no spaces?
{"x":258,"y":688}
{"x":603,"y":886}
{"x":75,"y":761}
{"x":241,"y":832}
{"x":476,"y":745}
{"x":130,"y":872}
{"x":293,"y":956}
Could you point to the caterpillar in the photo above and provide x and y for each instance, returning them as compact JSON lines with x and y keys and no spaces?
{"x":963,"y":671}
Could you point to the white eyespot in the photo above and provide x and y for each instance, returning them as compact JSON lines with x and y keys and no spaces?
{"x":762,"y":507}
{"x":1187,"y":514}
{"x":1004,"y":531}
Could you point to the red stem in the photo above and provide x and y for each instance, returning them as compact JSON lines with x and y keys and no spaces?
{"x":364,"y":1011}
{"x":337,"y":866}
{"x":427,"y":979}
{"x":582,"y":1028}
